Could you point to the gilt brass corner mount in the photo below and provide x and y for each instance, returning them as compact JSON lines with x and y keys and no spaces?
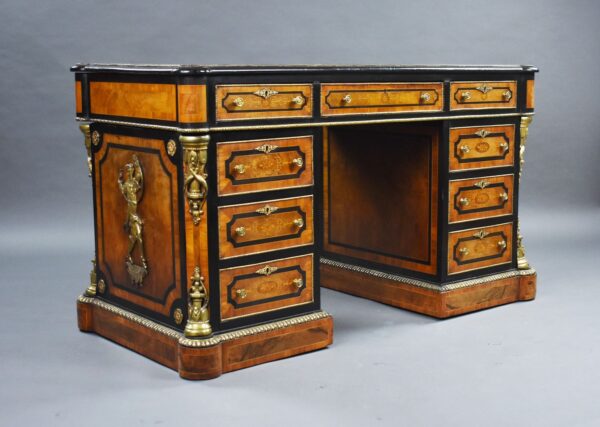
{"x":85,"y":130}
{"x":91,"y":290}
{"x":198,"y":324}
{"x":195,"y":153}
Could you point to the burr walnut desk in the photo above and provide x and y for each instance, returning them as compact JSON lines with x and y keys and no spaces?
{"x":224,"y":197}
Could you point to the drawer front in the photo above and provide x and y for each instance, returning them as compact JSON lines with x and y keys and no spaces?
{"x":482,"y":147}
{"x":246,"y":102}
{"x":265,"y":226}
{"x":269,"y":164}
{"x":380,"y":98}
{"x":482,"y":95}
{"x":480,"y":198}
{"x":479,"y":248}
{"x":269,"y":286}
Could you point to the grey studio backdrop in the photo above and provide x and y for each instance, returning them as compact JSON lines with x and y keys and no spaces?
{"x":523,"y":364}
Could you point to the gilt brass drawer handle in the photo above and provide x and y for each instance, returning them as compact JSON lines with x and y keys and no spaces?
{"x":502,"y":244}
{"x":240,"y":231}
{"x":298,"y":283}
{"x":465,"y":96}
{"x":299,"y":222}
{"x":465,"y":149}
{"x":238,"y":102}
{"x":503,"y":196}
{"x":298,"y":100}
{"x":425,"y":97}
{"x":267,"y":210}
{"x":240,"y":168}
{"x":298,"y":162}
{"x":347,"y":99}
{"x":464,"y":201}
{"x":267,"y":270}
{"x":463,"y":251}
{"x":503,"y":147}
{"x":241,"y":293}
{"x":507,"y":95}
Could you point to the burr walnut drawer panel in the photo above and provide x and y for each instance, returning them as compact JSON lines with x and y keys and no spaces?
{"x":269,"y":286}
{"x":481,"y":147}
{"x":380,"y":98}
{"x":479,"y":248}
{"x":265,"y":226}
{"x":246,"y":102}
{"x":482,"y":95}
{"x":269,"y":164}
{"x":480,"y":198}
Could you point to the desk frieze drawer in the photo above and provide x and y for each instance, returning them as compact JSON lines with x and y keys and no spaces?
{"x":263,"y":287}
{"x":260,"y":165}
{"x":247,"y":102}
{"x":265,"y":226}
{"x":479,"y":147}
{"x":479,"y":248}
{"x":380,"y":98}
{"x":483,"y":95}
{"x":478,"y":198}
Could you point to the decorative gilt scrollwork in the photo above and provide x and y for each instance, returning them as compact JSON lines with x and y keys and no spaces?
{"x":267,"y":210}
{"x":85,"y":129}
{"x":265,"y":93}
{"x":195,"y":153}
{"x":480,"y":234}
{"x":522,"y":262}
{"x":266,"y":148}
{"x":171,"y":147}
{"x":267,"y":270}
{"x":131,"y":184}
{"x":484,"y":88}
{"x":198,"y":324}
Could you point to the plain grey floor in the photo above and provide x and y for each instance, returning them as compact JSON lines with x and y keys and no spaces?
{"x":524,"y":364}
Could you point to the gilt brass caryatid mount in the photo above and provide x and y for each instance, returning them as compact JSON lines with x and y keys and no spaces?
{"x":194,"y":163}
{"x":198,"y":324}
{"x":85,"y":130}
{"x":131,"y":184}
{"x":522,"y":262}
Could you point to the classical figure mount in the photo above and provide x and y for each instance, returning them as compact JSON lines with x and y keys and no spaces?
{"x":131,"y":184}
{"x":195,"y":184}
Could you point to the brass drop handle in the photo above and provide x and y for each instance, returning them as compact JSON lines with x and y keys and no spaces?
{"x":503,"y":147}
{"x":238,"y":102}
{"x":298,"y":100}
{"x":502,"y":244}
{"x":425,"y":97}
{"x":465,"y":149}
{"x":465,"y":96}
{"x":241,"y":293}
{"x":463,"y":251}
{"x":507,"y":95}
{"x":299,"y":222}
{"x":240,"y":231}
{"x":240,"y":168}
{"x":503,"y":196}
{"x":347,"y":99}
{"x":464,"y":201}
{"x":298,"y":283}
{"x":298,"y":162}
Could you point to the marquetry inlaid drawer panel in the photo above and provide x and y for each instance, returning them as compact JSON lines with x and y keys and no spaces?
{"x":479,"y":248}
{"x":380,"y":98}
{"x":245,"y":102}
{"x":480,"y":198}
{"x":265,"y":226}
{"x":482,"y":95}
{"x":267,"y":164}
{"x":268,"y":286}
{"x":482,"y":147}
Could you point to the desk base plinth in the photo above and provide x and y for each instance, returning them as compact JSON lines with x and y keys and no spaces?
{"x":441,"y":302}
{"x":198,"y":359}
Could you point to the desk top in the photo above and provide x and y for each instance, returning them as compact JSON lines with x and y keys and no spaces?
{"x":295,"y":69}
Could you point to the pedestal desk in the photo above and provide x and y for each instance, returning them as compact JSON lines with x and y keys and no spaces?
{"x":224,"y":197}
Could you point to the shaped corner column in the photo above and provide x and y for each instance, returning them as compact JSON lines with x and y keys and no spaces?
{"x":522,"y":262}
